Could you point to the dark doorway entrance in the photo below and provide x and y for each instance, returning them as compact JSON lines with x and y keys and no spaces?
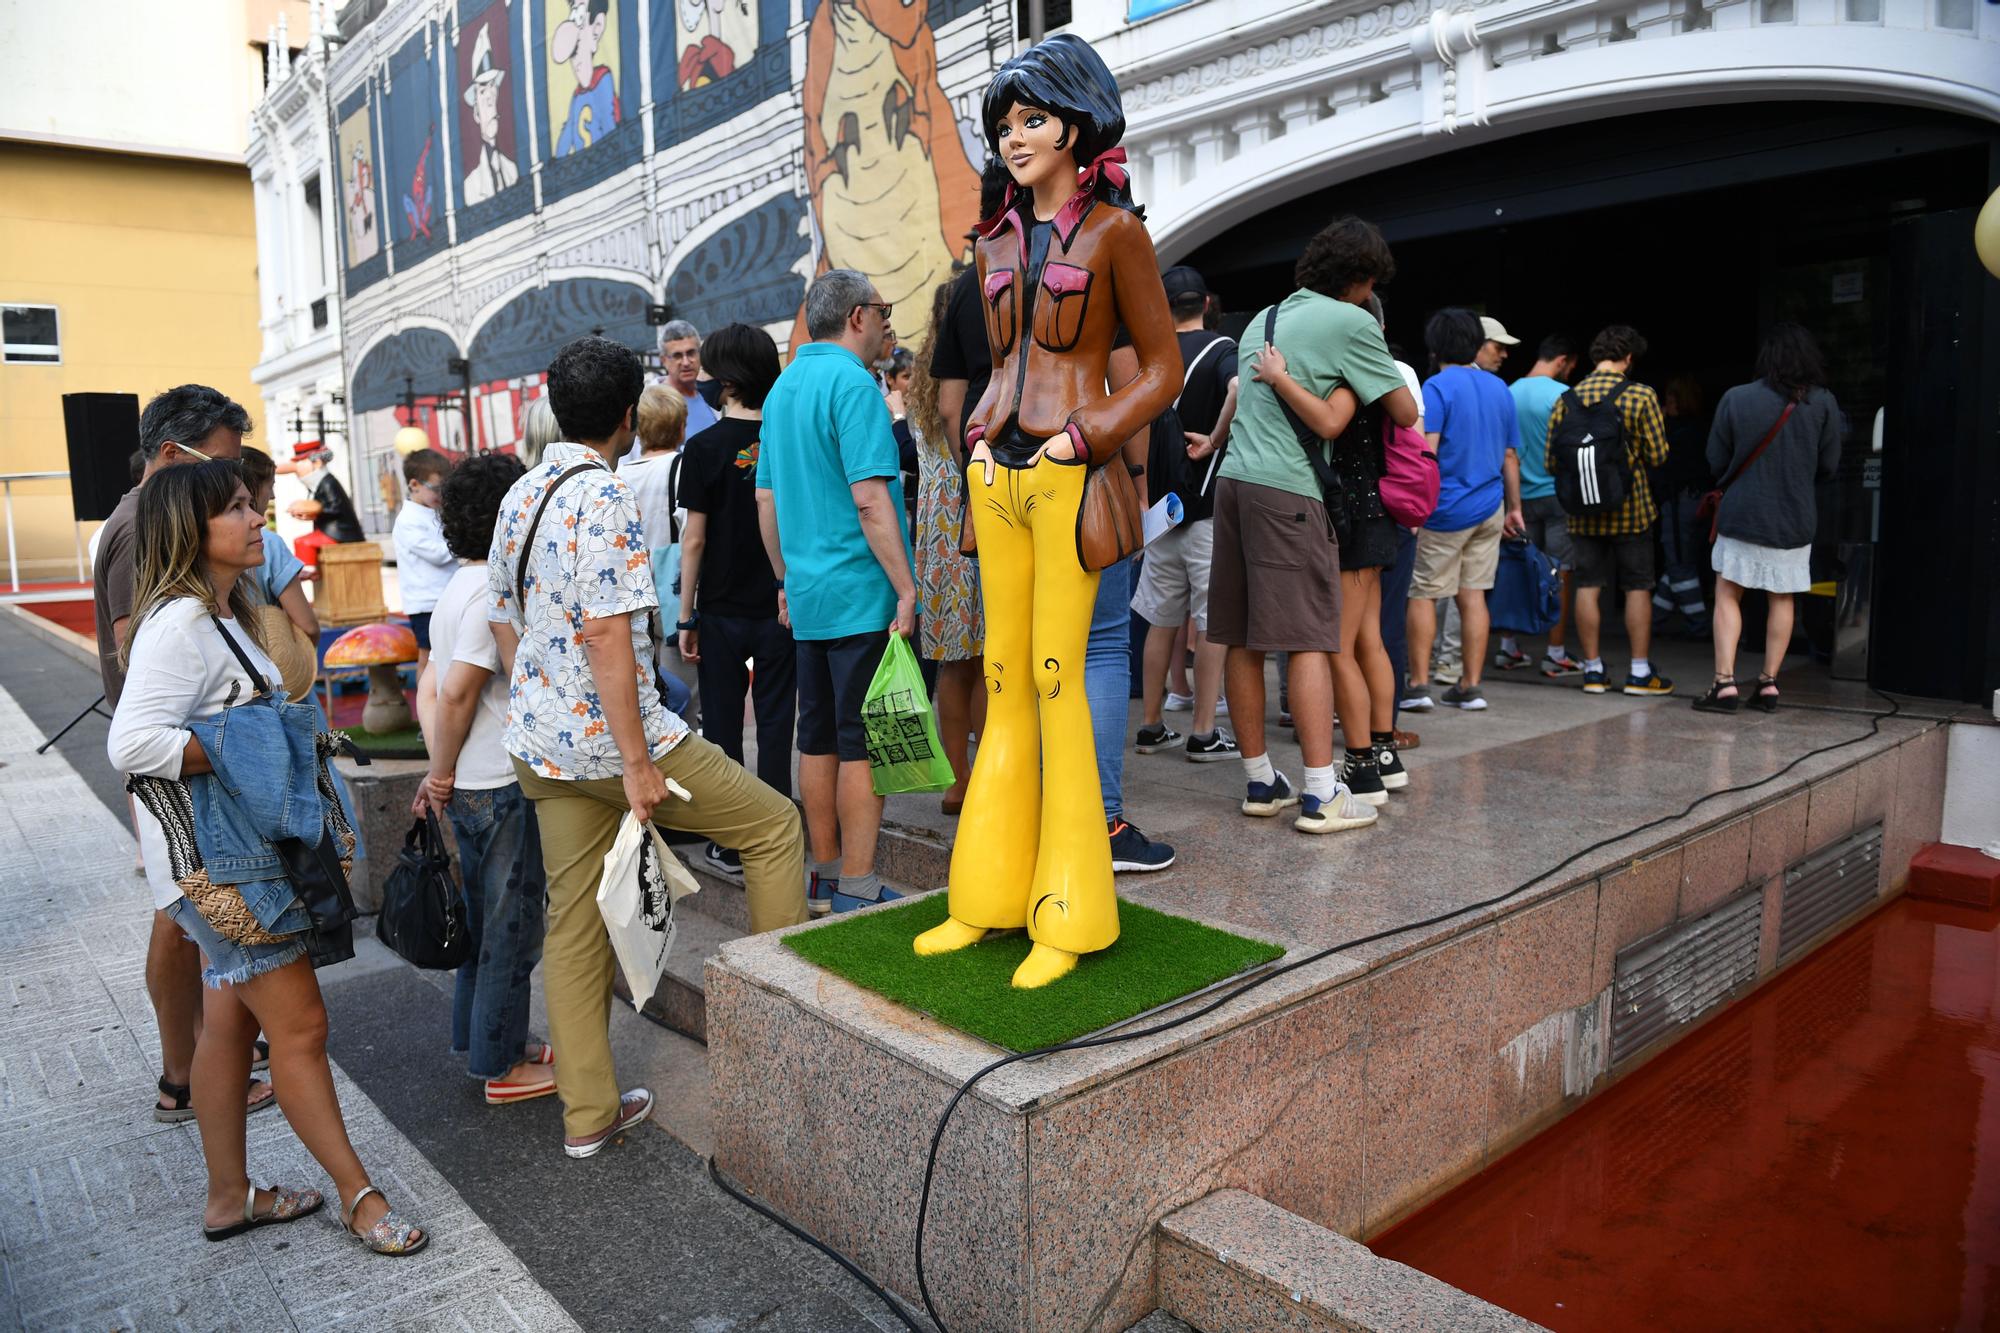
{"x":1700,"y":227}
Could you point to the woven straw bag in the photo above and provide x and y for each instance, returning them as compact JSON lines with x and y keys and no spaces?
{"x":222,"y":906}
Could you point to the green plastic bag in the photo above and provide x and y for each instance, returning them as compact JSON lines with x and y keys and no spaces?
{"x":904,"y":753}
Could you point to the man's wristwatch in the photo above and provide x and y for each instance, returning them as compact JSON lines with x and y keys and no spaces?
{"x":691,"y":623}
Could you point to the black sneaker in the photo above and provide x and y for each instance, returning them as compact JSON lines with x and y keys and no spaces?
{"x":1151,"y":740}
{"x":1467,"y":697}
{"x":723,"y":860}
{"x":1133,"y":850}
{"x":1650,"y":683}
{"x":1593,"y":682}
{"x":1285,"y":720}
{"x":1389,"y":765}
{"x":1364,"y":780}
{"x":1207,"y":749}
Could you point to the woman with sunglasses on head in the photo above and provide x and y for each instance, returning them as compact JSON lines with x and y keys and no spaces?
{"x":192,"y":652}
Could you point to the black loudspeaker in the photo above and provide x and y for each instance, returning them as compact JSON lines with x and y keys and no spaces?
{"x":103,"y":431}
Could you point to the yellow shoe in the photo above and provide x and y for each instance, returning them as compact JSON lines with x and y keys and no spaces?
{"x":1043,"y":964}
{"x":948,"y":937}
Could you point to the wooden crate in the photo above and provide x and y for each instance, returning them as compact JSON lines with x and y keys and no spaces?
{"x":350,"y":584}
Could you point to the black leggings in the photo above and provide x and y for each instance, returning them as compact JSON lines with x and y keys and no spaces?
{"x":726,"y":643}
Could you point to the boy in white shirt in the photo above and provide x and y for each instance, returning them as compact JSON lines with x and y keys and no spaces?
{"x":424,"y":564}
{"x":471,"y":782}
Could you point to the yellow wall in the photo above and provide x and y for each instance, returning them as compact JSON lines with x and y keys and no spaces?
{"x":152,"y":265}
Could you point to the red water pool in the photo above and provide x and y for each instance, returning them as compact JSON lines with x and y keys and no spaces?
{"x":1826,"y":1155}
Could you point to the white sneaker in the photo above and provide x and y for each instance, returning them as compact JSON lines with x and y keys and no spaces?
{"x":1178,"y":703}
{"x":1343,"y":811}
{"x":1222,"y":708}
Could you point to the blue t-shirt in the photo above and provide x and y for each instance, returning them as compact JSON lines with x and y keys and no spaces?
{"x":1472,"y":414}
{"x":1534,"y":398}
{"x":280,"y":567}
{"x":825,"y":428}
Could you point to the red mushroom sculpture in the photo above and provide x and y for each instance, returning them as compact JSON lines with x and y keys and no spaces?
{"x":382,"y":649}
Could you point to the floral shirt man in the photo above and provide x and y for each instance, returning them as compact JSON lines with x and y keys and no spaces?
{"x":589,"y":560}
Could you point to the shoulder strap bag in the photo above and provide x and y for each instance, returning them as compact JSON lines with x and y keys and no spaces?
{"x":1332,"y":496}
{"x":528,"y":539}
{"x":1710,"y":506}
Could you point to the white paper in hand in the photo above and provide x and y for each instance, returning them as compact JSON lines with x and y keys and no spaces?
{"x":642,"y":882}
{"x":1162,"y":518}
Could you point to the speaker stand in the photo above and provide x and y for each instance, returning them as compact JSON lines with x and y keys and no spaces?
{"x":94,"y":708}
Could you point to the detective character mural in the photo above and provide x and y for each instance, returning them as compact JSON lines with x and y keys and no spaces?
{"x":583,"y":58}
{"x":892,"y":190}
{"x":1062,"y":266}
{"x":489,"y":115}
{"x":715,"y":37}
{"x":357,"y":189}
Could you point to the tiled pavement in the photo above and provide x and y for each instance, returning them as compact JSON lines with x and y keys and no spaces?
{"x":99,"y":1204}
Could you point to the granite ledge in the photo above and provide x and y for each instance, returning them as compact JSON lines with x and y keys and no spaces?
{"x":1303,"y":1275}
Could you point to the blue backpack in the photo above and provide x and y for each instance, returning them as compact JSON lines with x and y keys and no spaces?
{"x":1527,"y":592}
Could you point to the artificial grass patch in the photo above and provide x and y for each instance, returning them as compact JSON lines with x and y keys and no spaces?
{"x":1157,"y":958}
{"x":407,"y":743}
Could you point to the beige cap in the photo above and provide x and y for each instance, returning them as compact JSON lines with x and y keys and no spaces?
{"x":1496,"y":331}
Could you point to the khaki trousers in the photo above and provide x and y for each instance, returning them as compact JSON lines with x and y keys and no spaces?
{"x":578,"y":822}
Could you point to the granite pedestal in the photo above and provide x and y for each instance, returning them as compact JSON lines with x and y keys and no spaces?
{"x":1347,"y":1092}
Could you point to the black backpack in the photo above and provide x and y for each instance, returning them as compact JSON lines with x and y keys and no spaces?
{"x":1168,"y":467}
{"x":1592,"y":463}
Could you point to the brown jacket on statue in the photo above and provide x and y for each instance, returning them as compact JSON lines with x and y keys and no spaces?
{"x":1099,"y":274}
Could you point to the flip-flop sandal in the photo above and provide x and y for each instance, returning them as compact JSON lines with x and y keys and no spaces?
{"x":182,"y":1110}
{"x":262,"y":1060}
{"x":391,"y":1235}
{"x":503,"y":1092}
{"x":286,"y":1206}
{"x":538,"y":1053}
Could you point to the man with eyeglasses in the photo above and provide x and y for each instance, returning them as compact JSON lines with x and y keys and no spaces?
{"x":830,"y":509}
{"x":190,"y":424}
{"x":680,"y":354}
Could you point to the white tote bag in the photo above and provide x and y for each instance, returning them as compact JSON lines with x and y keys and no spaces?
{"x":642,"y":883}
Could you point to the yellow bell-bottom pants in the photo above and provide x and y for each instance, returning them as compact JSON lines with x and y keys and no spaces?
{"x":1032,"y":850}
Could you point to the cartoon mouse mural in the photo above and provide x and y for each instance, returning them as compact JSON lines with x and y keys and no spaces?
{"x":893,"y":193}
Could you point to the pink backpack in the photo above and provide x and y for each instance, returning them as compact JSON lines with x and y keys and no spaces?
{"x":1409,"y":482}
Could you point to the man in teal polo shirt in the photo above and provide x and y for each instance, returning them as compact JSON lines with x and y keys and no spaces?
{"x":830,"y":506}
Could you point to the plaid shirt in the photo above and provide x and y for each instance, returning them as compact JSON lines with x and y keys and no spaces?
{"x":1645,"y":444}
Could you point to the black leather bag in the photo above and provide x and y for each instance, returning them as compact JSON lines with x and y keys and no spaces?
{"x":423,"y":915}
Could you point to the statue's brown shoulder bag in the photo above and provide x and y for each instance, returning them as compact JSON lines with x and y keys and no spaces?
{"x":1110,"y":523}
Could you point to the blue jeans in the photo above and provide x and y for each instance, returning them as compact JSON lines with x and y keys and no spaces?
{"x":1396,"y":608}
{"x":1684,"y":543}
{"x":506,"y":903}
{"x":1107,"y":681}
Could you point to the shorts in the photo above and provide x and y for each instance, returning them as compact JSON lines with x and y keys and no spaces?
{"x":1602,"y":560}
{"x":420,"y":625}
{"x":1452,"y":562}
{"x":1369,"y":543}
{"x":1282,"y":538}
{"x":1173,"y":578}
{"x":1548,"y":529}
{"x":230,"y":963}
{"x":834,"y":675}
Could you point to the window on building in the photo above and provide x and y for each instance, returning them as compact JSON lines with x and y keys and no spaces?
{"x":1778,"y":11}
{"x":28,"y":335}
{"x":1864,"y":11}
{"x":316,"y":234}
{"x":1955,"y":14}
{"x":1055,"y":14}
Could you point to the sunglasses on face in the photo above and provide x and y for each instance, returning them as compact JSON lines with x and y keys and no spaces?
{"x":884,"y":306}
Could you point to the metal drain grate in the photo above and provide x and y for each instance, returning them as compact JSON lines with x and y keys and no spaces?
{"x":1680,"y":974}
{"x":1829,"y":886}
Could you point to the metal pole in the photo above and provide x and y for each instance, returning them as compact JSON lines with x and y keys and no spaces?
{"x":76,"y":526}
{"x":13,"y":564}
{"x":1038,"y":21}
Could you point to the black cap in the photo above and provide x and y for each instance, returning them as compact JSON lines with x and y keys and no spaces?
{"x":1180,"y":280}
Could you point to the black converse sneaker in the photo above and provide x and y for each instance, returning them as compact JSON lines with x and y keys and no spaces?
{"x":1389,"y":765}
{"x":1151,"y":740}
{"x":1358,"y":771}
{"x":1208,"y":749}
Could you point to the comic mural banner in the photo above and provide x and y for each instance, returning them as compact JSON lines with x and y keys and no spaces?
{"x":414,"y":166}
{"x":587,"y":54}
{"x":360,"y":194}
{"x":488,"y":105}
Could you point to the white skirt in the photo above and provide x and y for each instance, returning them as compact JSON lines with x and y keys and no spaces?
{"x":1769,"y":568}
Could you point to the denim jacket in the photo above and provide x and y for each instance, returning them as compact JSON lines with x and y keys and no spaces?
{"x":264,"y":787}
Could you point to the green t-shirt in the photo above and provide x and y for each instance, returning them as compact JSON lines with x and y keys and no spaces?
{"x":1327,"y":343}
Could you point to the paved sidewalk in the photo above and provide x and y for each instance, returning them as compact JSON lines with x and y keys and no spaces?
{"x":99,"y":1204}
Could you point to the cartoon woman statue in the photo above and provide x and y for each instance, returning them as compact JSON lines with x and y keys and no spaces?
{"x":1063,"y":266}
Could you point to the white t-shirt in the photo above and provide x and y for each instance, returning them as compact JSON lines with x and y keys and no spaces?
{"x":180,"y":670}
{"x":655,"y":479}
{"x":1416,"y":391}
{"x":460,"y":632}
{"x":424,"y":564}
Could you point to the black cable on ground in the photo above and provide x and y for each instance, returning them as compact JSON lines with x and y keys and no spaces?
{"x":1875,"y":721}
{"x":895,"y":1306}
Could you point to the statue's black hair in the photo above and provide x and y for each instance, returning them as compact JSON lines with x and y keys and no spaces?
{"x":1063,"y":75}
